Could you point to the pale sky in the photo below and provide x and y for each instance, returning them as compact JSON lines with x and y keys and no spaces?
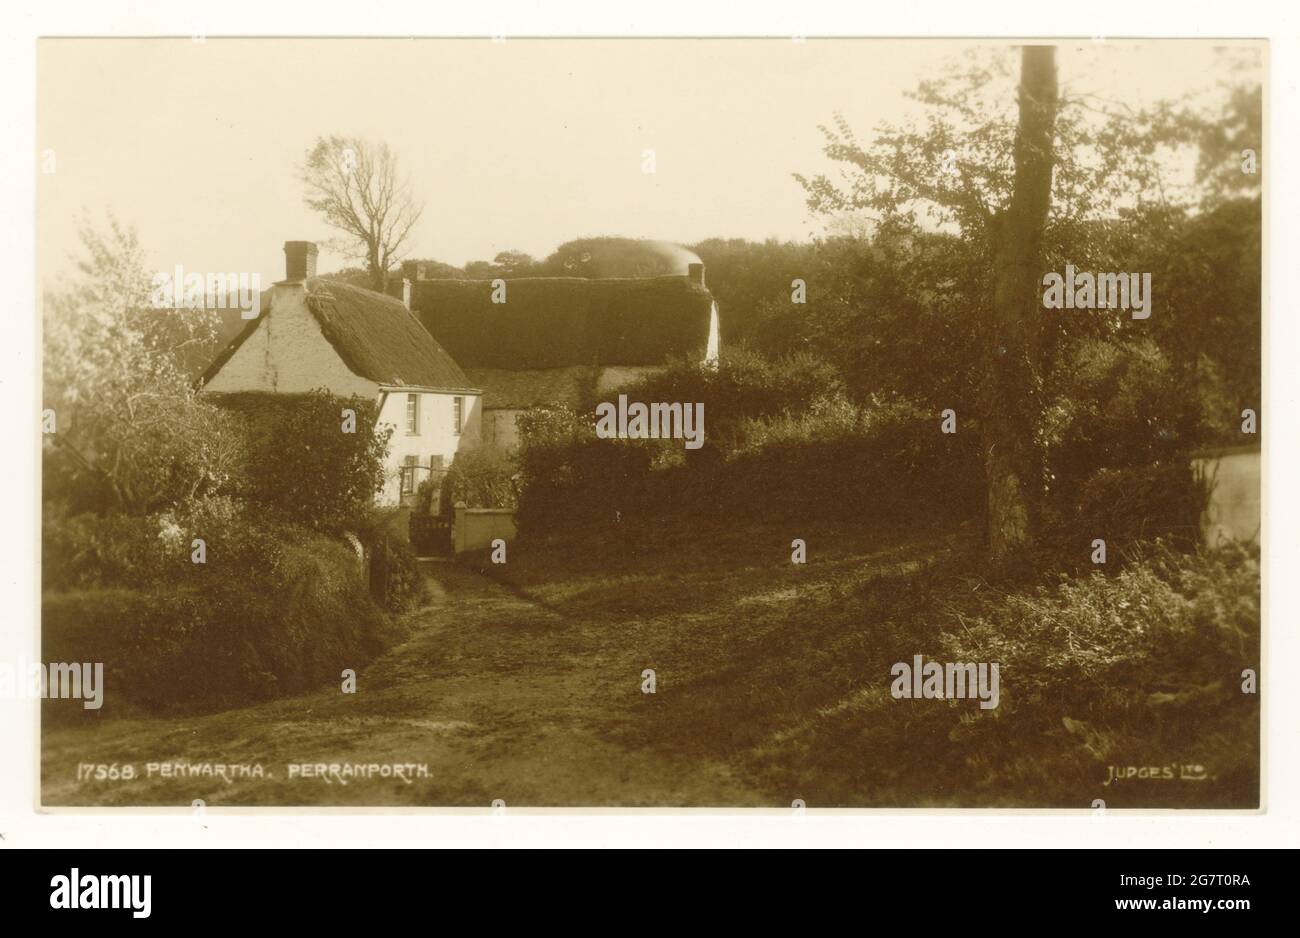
{"x":521,"y":144}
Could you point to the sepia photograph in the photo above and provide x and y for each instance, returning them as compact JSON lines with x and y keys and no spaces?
{"x":784,"y":423}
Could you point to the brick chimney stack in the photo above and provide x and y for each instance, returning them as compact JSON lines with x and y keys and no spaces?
{"x":414,"y":271}
{"x":299,"y":260}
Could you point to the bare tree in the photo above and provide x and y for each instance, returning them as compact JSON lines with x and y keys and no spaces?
{"x":355,"y":185}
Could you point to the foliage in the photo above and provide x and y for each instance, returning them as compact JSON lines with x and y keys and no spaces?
{"x":275,"y":609}
{"x":552,"y":424}
{"x":396,"y":582}
{"x":743,"y":385}
{"x":433,"y":269}
{"x":504,"y":264}
{"x":827,"y":419}
{"x":1142,"y":668}
{"x":1114,"y":404}
{"x":481,"y":477}
{"x":952,"y":173}
{"x":1124,"y":507}
{"x":746,"y":277}
{"x":301,"y":466}
{"x":131,"y":434}
{"x":610,"y":257}
{"x":571,"y":483}
{"x":1212,"y":327}
{"x":785,"y":457}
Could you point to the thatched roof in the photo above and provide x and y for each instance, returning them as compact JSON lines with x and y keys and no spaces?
{"x":560,"y":322}
{"x":375,"y":335}
{"x":533,"y":387}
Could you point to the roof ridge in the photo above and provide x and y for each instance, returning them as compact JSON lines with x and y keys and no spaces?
{"x":370,"y":337}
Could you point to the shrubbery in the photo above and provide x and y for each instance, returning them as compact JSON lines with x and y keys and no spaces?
{"x":275,"y":609}
{"x":1127,"y":506}
{"x":1115,"y":404}
{"x":482,"y":477}
{"x":782,"y":439}
{"x":833,"y":459}
{"x":395,"y":579}
{"x":743,"y":386}
{"x":584,"y":480}
{"x":1142,"y":668}
{"x":138,"y":464}
{"x":301,"y":465}
{"x":280,"y":602}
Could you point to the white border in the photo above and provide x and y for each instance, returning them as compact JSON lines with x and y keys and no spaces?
{"x":1279,"y":825}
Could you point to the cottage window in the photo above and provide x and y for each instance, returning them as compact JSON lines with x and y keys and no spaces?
{"x":457,"y":414}
{"x":412,"y":415}
{"x":409,"y":465}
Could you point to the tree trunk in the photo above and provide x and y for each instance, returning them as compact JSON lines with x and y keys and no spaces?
{"x":1010,"y":406}
{"x":378,"y":273}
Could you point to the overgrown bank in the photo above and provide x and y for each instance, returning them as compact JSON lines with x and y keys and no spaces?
{"x":783,"y":670}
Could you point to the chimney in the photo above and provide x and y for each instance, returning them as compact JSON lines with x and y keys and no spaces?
{"x":399,"y":288}
{"x":299,"y":260}
{"x":414,"y":271}
{"x":695,"y":273}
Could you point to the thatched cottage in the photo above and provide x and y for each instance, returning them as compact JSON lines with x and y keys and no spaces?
{"x":316,"y":333}
{"x":559,"y":339}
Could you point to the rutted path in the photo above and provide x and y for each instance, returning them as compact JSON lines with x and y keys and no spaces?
{"x":499,"y":697}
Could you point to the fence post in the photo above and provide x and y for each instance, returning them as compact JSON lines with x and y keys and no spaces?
{"x":458,"y":534}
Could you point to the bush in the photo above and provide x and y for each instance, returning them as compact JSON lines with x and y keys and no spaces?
{"x":1114,"y":405}
{"x":1142,"y":668}
{"x":156,"y":550}
{"x":273,"y":610}
{"x":395,"y":579}
{"x":893,"y":466}
{"x":553,"y":424}
{"x":1124,"y":507}
{"x":743,"y":386}
{"x":890,"y":463}
{"x":228,"y":636}
{"x":483,"y":477}
{"x":302,"y":466}
{"x":826,"y":419}
{"x":583,"y":481}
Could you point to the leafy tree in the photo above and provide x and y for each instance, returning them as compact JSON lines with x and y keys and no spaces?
{"x":505,"y":264}
{"x":130,"y":433}
{"x":515,"y":263}
{"x":748,"y":278}
{"x":1023,"y":180}
{"x":436,"y":270}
